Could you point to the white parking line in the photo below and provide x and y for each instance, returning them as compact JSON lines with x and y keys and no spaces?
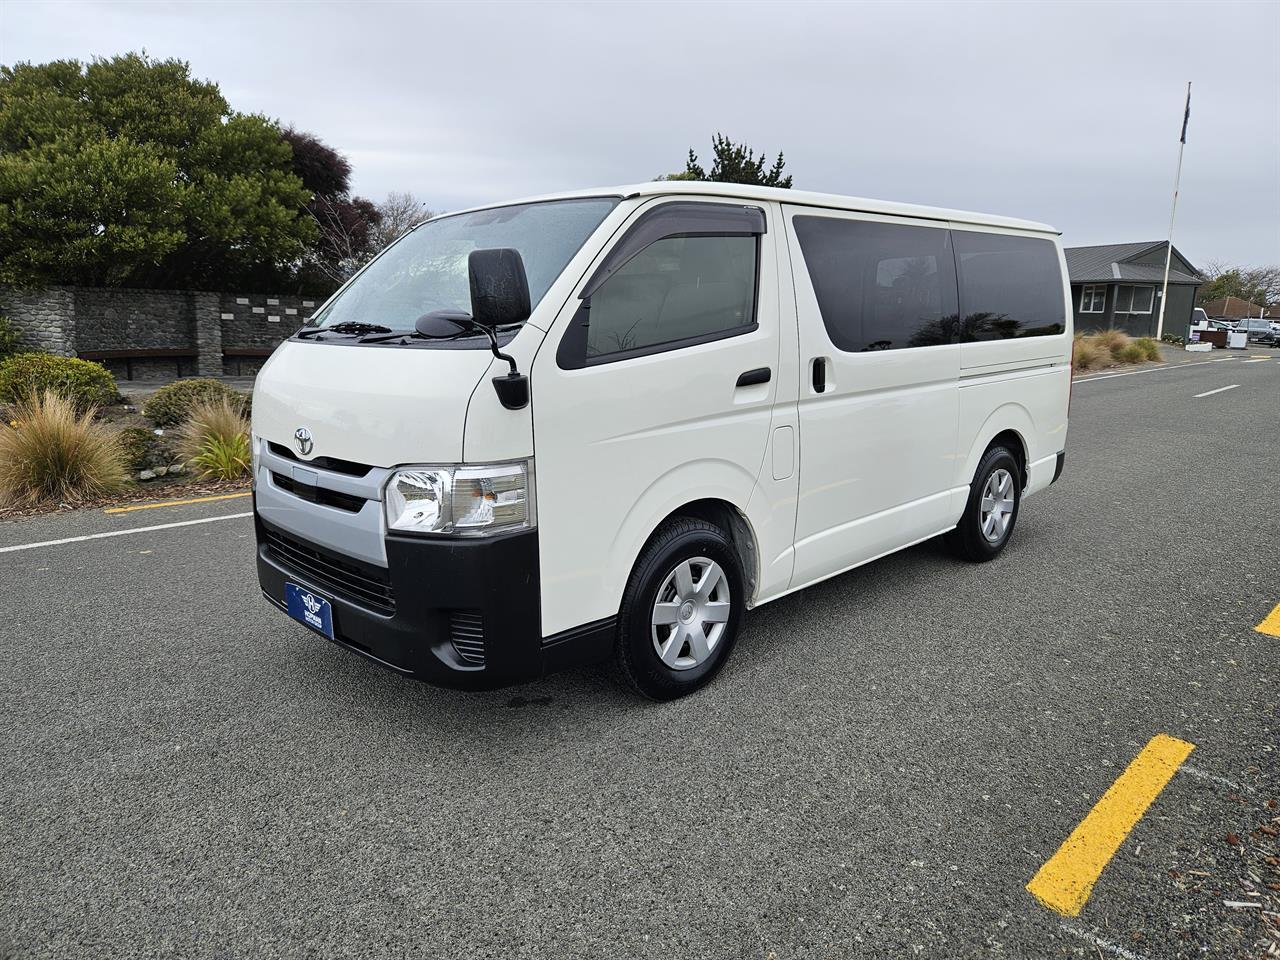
{"x":121,"y":533}
{"x":1134,"y":373}
{"x":1210,"y":393}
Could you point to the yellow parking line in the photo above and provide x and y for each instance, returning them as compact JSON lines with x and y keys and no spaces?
{"x":175,"y":503}
{"x":1270,"y":624}
{"x":1065,"y":881}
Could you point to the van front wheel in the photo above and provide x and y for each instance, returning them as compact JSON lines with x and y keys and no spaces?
{"x":992,"y":508}
{"x":681,"y":610}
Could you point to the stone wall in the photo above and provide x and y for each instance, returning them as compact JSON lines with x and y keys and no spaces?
{"x":44,"y":319}
{"x":156,"y":334}
{"x":254,"y":322}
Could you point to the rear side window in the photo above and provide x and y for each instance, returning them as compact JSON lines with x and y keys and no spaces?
{"x":676,"y":289}
{"x":1009,"y":287}
{"x":880,"y":286}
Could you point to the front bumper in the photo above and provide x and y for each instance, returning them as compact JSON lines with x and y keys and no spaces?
{"x":458,"y":613}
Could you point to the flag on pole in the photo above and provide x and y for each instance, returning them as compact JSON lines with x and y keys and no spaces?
{"x":1186,"y":116}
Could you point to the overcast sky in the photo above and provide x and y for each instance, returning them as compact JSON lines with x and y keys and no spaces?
{"x":1067,"y":113}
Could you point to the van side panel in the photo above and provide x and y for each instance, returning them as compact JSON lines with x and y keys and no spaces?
{"x":1020,"y":384}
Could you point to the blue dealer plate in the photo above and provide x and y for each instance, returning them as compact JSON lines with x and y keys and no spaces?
{"x":309,"y":608}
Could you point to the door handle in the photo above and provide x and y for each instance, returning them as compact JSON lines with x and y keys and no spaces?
{"x":819,"y":374}
{"x":752,"y":377}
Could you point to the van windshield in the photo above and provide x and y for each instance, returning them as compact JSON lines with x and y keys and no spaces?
{"x":427,"y":269}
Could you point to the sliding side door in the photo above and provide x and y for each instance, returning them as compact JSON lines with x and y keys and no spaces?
{"x":876,"y":306}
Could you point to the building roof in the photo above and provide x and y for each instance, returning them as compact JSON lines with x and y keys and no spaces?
{"x":1108,"y":263}
{"x":1233,"y":308}
{"x":738,"y":191}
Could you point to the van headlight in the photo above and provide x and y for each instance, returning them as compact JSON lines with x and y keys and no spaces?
{"x":469,"y":501}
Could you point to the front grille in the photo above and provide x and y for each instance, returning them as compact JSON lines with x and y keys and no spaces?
{"x":360,"y":583}
{"x":330,"y":498}
{"x":349,"y":467}
{"x":466,"y":631}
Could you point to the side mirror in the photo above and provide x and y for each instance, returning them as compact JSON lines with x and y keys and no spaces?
{"x":499,"y":287}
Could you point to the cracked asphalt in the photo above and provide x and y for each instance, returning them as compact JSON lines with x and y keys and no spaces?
{"x":884,"y":764}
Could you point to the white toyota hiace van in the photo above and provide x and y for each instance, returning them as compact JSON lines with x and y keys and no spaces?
{"x":608,"y":423}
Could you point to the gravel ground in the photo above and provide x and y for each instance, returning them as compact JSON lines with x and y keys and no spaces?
{"x":885,"y":763}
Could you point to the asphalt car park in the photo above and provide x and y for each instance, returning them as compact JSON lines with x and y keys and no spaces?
{"x":886,"y":763}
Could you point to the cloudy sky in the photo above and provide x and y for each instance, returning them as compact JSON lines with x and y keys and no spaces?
{"x":1063,"y":112}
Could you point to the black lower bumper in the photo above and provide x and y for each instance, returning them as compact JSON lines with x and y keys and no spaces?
{"x":458,"y":613}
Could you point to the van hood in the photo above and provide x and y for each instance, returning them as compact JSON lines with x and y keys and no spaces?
{"x":381,"y":406}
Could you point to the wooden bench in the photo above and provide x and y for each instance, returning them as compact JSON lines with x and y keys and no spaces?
{"x":177,"y":354}
{"x":246,"y":353}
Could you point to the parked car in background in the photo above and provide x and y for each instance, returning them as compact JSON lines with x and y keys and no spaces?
{"x":1256,"y":329}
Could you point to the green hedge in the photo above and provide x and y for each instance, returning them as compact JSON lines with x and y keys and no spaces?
{"x":8,"y":338}
{"x":85,"y":384}
{"x":171,"y":404}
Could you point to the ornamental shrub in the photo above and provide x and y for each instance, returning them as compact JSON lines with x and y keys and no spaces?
{"x":173,"y":403}
{"x":83,"y":383}
{"x":137,"y":444}
{"x":8,"y":337}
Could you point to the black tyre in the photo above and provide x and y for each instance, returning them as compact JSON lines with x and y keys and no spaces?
{"x":992,"y":509}
{"x":681,"y":610}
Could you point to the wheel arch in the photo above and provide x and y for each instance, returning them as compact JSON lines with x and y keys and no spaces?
{"x":713,"y":490}
{"x":1010,"y":425}
{"x":731,"y":520}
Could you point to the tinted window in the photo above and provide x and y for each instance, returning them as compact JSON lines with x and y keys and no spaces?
{"x":675,"y":289}
{"x":1009,"y":287}
{"x":880,"y":286}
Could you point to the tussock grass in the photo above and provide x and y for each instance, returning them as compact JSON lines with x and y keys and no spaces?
{"x":1113,"y":341}
{"x":1085,"y":354}
{"x":56,"y":454}
{"x":1106,"y":348}
{"x":1150,"y":347}
{"x":1132,"y":353}
{"x":215,"y":440}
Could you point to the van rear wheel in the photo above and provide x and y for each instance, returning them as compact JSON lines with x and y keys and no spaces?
{"x":681,"y":610}
{"x":992,"y":508}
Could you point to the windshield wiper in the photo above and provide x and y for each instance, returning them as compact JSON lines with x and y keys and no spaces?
{"x":412,"y":334}
{"x":359,"y":329}
{"x":350,"y":328}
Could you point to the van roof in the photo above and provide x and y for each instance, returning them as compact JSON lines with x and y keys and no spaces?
{"x":738,"y":191}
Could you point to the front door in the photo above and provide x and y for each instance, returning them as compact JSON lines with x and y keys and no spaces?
{"x":654,"y":388}
{"x":876,"y":305}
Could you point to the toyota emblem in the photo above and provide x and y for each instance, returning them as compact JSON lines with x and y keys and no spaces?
{"x":302,"y":440}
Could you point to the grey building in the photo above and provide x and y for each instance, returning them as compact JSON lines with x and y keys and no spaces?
{"x":1118,"y":285}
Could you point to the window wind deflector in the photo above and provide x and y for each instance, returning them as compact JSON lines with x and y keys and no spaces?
{"x":679,"y":219}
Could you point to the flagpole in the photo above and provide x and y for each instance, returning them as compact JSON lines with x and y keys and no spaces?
{"x":1173,"y":213}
